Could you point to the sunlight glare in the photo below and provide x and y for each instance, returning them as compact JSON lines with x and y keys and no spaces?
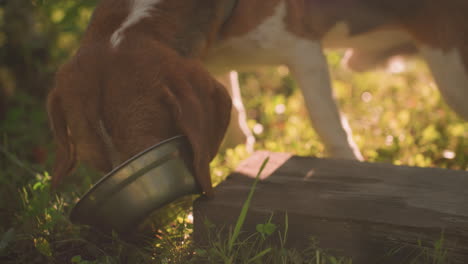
{"x":448,"y":154}
{"x":396,"y":65}
{"x":280,"y":109}
{"x":258,"y":129}
{"x":190,"y":218}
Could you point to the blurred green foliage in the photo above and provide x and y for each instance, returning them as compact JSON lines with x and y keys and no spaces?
{"x":35,"y":37}
{"x":396,"y":117}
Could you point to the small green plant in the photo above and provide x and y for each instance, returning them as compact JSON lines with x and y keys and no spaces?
{"x":425,"y":253}
{"x":228,"y":251}
{"x":320,"y":256}
{"x":257,"y":247}
{"x":245,"y":208}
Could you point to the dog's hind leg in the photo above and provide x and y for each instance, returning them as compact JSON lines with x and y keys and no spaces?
{"x":451,"y":75}
{"x":238,"y":132}
{"x":310,"y":69}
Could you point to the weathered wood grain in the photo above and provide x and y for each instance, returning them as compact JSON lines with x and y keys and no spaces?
{"x":362,"y":210}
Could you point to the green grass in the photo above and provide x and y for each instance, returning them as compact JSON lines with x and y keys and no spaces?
{"x":259,"y":246}
{"x":398,"y":118}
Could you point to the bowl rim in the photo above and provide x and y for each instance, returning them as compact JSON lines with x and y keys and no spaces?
{"x":123,"y":164}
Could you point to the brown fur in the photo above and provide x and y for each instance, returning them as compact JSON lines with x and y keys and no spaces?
{"x":110,"y":103}
{"x":247,"y":15}
{"x":143,"y":92}
{"x":440,"y":24}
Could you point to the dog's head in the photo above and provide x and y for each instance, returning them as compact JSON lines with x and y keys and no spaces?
{"x":105,"y":110}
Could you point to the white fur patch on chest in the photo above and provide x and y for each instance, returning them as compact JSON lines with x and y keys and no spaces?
{"x":139,"y":9}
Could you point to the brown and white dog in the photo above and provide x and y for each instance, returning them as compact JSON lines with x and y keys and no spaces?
{"x":295,"y":32}
{"x":139,"y":76}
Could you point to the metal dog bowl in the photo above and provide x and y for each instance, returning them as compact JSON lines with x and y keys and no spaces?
{"x":129,"y":193}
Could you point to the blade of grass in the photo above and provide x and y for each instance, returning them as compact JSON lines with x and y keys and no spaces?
{"x":286,"y":226}
{"x":245,"y":208}
{"x":259,"y":255}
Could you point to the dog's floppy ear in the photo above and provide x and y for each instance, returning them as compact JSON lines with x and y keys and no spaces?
{"x":203,"y":109}
{"x":65,"y":158}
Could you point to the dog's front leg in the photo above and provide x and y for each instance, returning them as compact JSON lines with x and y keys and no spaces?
{"x":310,"y":69}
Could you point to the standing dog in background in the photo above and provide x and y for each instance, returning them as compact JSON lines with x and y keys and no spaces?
{"x":295,"y":32}
{"x":143,"y":70}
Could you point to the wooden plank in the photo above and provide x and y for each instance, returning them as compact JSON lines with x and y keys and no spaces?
{"x":361,"y":210}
